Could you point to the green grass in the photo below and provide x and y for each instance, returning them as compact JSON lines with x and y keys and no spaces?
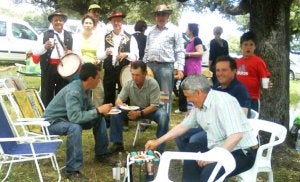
{"x":100,"y":172}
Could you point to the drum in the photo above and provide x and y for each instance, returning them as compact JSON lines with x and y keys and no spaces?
{"x":69,"y":66}
{"x":125,"y":74}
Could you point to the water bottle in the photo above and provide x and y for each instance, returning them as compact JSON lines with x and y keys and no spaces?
{"x":297,"y":146}
{"x":119,"y":169}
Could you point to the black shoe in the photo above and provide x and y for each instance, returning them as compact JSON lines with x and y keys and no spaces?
{"x":76,"y":176}
{"x":103,"y":158}
{"x":144,"y":125}
{"x":116,"y":147}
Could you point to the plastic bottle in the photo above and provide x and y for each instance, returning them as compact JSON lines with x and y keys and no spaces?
{"x":297,"y":146}
{"x":119,"y":168}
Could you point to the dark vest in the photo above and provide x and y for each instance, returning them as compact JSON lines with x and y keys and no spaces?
{"x":68,"y":41}
{"x":125,"y":47}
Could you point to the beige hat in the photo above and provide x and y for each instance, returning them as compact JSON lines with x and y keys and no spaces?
{"x":94,"y":6}
{"x":162,"y":8}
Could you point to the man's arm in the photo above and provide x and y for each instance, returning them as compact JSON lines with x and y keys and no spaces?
{"x":173,"y":133}
{"x":232,"y":141}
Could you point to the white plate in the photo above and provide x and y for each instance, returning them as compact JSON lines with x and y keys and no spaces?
{"x":129,"y":108}
{"x":114,"y":111}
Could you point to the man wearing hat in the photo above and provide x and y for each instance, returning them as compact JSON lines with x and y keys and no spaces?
{"x":119,"y":49}
{"x":55,"y":43}
{"x":101,"y":29}
{"x":164,"y":53}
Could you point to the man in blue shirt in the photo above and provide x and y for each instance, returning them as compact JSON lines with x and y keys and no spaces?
{"x":226,"y":74}
{"x":70,"y":111}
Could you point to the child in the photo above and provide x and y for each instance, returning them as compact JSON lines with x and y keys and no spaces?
{"x":251,"y":68}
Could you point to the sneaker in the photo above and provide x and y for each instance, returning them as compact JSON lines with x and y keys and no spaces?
{"x":177,"y":111}
{"x":76,"y":176}
{"x":116,"y":147}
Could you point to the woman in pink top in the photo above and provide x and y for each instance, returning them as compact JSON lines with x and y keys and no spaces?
{"x":193,"y":59}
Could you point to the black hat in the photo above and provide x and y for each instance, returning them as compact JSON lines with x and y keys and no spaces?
{"x":57,"y":13}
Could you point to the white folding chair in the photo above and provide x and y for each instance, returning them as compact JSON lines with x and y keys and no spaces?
{"x":264,"y":152}
{"x":139,"y":124}
{"x":253,"y":114}
{"x":220,"y":155}
{"x":24,"y":148}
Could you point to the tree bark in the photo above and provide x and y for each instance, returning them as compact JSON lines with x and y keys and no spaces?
{"x":270,"y":22}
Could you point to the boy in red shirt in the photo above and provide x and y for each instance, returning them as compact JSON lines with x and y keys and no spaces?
{"x":251,"y":68}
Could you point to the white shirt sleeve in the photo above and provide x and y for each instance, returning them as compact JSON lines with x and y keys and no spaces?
{"x":134,"y":50}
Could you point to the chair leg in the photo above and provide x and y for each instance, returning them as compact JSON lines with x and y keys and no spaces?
{"x":56,"y":167}
{"x":270,"y":175}
{"x":137,"y":132}
{"x":8,"y":171}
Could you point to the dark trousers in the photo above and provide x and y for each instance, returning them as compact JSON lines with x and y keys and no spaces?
{"x":192,"y":172}
{"x":182,"y":103}
{"x":51,"y":83}
{"x":255,"y":104}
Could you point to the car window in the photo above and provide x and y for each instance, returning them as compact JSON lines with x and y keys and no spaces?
{"x":2,"y":28}
{"x":22,"y":32}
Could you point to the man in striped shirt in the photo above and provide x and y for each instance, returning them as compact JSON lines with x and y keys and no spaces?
{"x":221,"y":116}
{"x":164,"y":53}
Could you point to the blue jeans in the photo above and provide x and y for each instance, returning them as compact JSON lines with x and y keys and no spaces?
{"x":159,"y":116}
{"x":163,"y":74}
{"x":192,"y":172}
{"x":193,"y":135}
{"x":74,"y":140}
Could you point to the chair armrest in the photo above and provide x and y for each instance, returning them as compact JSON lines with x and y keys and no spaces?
{"x":30,"y":119}
{"x":26,"y":123}
{"x":18,"y":139}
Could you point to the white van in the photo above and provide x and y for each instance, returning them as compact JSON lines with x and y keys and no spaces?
{"x":17,"y":37}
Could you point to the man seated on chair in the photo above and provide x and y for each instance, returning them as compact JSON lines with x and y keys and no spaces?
{"x":227,"y":82}
{"x":142,"y":91}
{"x":71,"y":111}
{"x":225,"y":123}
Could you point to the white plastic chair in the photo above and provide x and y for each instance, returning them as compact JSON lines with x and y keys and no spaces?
{"x":264,"y":152}
{"x":220,"y":155}
{"x":253,"y":114}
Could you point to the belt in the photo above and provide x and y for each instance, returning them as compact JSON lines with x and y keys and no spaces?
{"x":54,"y":61}
{"x":158,"y":62}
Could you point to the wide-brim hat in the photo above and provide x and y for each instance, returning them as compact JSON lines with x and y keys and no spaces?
{"x":162,"y":8}
{"x":57,"y":13}
{"x":94,"y":6}
{"x":116,"y":14}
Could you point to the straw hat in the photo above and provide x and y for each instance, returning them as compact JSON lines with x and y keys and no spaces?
{"x":94,"y":6}
{"x":162,"y":8}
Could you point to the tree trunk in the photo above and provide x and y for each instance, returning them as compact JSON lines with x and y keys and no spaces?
{"x":269,"y":19}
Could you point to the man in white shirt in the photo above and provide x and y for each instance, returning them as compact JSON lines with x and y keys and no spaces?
{"x":226,"y":125}
{"x":54,"y":44}
{"x":118,"y":50}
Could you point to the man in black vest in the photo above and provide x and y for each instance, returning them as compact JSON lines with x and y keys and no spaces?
{"x":119,"y":50}
{"x":55,"y":44}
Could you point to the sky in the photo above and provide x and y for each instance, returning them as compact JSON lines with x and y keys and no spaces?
{"x":207,"y":22}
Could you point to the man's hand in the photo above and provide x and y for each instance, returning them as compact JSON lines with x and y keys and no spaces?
{"x":121,"y":56}
{"x":109,"y":51}
{"x":151,"y":145}
{"x":105,"y":108}
{"x":203,"y":163}
{"x":133,"y":115}
{"x":179,"y":74}
{"x":48,"y":44}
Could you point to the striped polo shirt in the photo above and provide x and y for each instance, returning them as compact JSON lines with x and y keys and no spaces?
{"x":221,"y":116}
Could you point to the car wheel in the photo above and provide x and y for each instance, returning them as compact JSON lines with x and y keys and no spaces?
{"x":292,"y":75}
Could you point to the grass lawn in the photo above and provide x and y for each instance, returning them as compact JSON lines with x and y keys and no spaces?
{"x":100,"y":172}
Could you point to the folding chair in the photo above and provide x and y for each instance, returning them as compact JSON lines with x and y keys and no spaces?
{"x":220,"y":155}
{"x":140,"y":123}
{"x":24,"y":148}
{"x":264,"y":152}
